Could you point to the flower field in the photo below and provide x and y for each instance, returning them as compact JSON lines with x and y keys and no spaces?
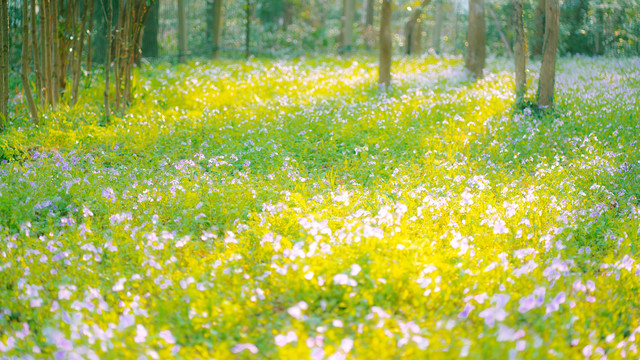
{"x":287,"y":209}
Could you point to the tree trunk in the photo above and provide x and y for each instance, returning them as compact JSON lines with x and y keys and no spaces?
{"x":411,"y":28}
{"x":520,"y":51}
{"x":348,"y":12}
{"x":77,"y":66}
{"x":107,"y":62}
{"x":150,"y":32}
{"x":548,"y":69}
{"x":384,"y":70}
{"x":25,"y":63}
{"x":476,"y":34}
{"x":182,"y":31}
{"x":90,"y":38}
{"x":437,"y":29}
{"x":368,"y":24}
{"x":214,"y":24}
{"x":538,"y":39}
{"x":4,"y":63}
{"x":36,"y":53}
{"x":248,"y":30}
{"x":505,"y":42}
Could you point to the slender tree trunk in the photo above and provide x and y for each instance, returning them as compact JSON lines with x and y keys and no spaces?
{"x":25,"y":63}
{"x":548,"y":69}
{"x":107,"y":63}
{"x":505,"y":42}
{"x":384,"y":70}
{"x":150,"y":32}
{"x":520,"y":51}
{"x":476,"y":34}
{"x":437,"y":29}
{"x":47,"y":61}
{"x":77,"y":67}
{"x":4,"y":63}
{"x":411,"y":28}
{"x":90,"y":38}
{"x":368,"y":25}
{"x":215,"y":17}
{"x":182,"y":31}
{"x":36,"y":53}
{"x":53,"y":22}
{"x":248,"y":30}
{"x":347,"y":25}
{"x":538,"y":38}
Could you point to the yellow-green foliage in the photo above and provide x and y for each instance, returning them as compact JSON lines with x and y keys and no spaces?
{"x":287,"y":209}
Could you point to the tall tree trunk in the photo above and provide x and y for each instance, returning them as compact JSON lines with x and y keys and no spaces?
{"x":77,"y":66}
{"x":25,"y":63}
{"x":411,"y":28}
{"x":90,"y":38}
{"x":214,"y":25}
{"x":475,"y":58}
{"x":437,"y":28}
{"x":348,"y":13}
{"x":520,"y":51}
{"x":4,"y":63}
{"x":538,"y":38}
{"x":56,"y":69}
{"x":150,"y":32}
{"x":384,"y":70}
{"x":107,"y":62}
{"x":36,"y":52}
{"x":368,"y":24}
{"x":546,"y":85}
{"x":248,"y":30}
{"x":182,"y":31}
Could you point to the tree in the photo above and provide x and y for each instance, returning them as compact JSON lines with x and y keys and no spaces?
{"x":247,"y":37}
{"x":348,"y":13}
{"x":437,"y":28}
{"x":412,"y":29}
{"x":4,"y":63}
{"x":26,"y":68}
{"x":538,"y":38}
{"x":476,"y":36}
{"x":150,"y":32}
{"x":520,"y":51}
{"x":182,"y":31}
{"x":214,"y":25}
{"x":384,"y":69}
{"x":548,"y":69}
{"x":368,"y":24}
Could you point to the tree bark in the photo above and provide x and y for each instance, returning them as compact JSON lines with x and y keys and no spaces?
{"x":214,"y":19}
{"x":475,"y":58}
{"x":437,"y":29}
{"x":538,"y":38}
{"x":520,"y":51}
{"x":384,"y":70}
{"x":25,"y":63}
{"x":77,"y":66}
{"x":248,"y":30}
{"x":4,"y":63}
{"x":546,"y":85}
{"x":411,"y":28}
{"x":182,"y":31}
{"x":36,"y":53}
{"x":347,"y":25}
{"x":150,"y":32}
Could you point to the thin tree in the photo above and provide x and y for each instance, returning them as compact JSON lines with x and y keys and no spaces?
{"x":150,"y":32}
{"x":520,"y":51}
{"x":548,"y":69}
{"x":437,"y":28}
{"x":182,"y":31}
{"x":412,"y":29}
{"x":248,"y":30}
{"x":475,"y":58}
{"x":214,"y":25}
{"x":368,"y":24}
{"x":384,"y":70}
{"x":4,"y":63}
{"x":538,"y":38}
{"x":36,"y":52}
{"x":107,"y":62}
{"x":348,"y":13}
{"x":79,"y":47}
{"x":25,"y":63}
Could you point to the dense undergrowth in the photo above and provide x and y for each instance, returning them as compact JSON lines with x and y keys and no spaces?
{"x":289,"y":210}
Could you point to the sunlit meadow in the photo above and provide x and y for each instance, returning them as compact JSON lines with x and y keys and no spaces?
{"x":288,"y":209}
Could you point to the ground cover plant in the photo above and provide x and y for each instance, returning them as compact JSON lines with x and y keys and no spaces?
{"x":288,"y":209}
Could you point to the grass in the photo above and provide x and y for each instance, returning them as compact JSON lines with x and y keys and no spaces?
{"x":287,"y":209}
